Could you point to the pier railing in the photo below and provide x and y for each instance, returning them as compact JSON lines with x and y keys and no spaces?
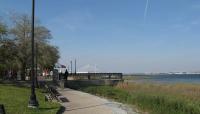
{"x":96,"y":76}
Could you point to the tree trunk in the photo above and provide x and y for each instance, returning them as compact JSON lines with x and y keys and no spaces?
{"x":23,"y":71}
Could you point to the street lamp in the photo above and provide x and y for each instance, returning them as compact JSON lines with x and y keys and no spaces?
{"x":36,"y":65}
{"x":33,"y":103}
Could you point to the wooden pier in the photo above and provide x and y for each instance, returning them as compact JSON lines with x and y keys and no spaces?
{"x":77,"y":80}
{"x":96,"y":76}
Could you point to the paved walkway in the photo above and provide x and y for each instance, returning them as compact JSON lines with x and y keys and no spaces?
{"x":84,"y":103}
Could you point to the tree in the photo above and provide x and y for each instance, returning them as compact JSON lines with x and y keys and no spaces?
{"x":48,"y":56}
{"x":8,"y":55}
{"x":22,"y":35}
{"x":22,"y":32}
{"x":8,"y":51}
{"x":3,"y":30}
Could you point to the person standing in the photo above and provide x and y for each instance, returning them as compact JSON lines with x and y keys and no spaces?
{"x":66,"y":74}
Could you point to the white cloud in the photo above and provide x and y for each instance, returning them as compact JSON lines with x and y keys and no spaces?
{"x":196,"y":6}
{"x":195,"y":22}
{"x":181,"y":27}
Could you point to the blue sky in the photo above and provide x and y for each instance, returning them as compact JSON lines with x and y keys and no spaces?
{"x":115,"y":36}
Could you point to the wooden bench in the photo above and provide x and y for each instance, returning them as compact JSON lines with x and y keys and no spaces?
{"x":2,"y":109}
{"x":52,"y":93}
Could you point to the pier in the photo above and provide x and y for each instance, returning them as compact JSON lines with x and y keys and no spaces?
{"x":76,"y":80}
{"x":95,"y":76}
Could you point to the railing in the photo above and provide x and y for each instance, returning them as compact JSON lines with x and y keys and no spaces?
{"x":91,"y":76}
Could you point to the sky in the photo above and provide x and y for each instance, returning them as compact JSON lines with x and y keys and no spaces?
{"x":129,"y":36}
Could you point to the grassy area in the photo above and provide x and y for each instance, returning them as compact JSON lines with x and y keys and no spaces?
{"x":152,"y":98}
{"x":15,"y":100}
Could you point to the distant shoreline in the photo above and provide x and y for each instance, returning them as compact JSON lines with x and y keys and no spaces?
{"x":164,"y":78}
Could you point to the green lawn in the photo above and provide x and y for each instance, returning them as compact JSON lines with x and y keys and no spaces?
{"x":15,"y":100}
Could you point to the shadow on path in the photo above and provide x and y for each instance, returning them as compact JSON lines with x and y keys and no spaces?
{"x":92,"y":106}
{"x":61,"y":110}
{"x":63,"y":99}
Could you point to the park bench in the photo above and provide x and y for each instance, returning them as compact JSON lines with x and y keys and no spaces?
{"x":53,"y":94}
{"x":2,"y":109}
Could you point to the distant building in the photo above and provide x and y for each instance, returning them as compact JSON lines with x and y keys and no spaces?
{"x":61,"y":68}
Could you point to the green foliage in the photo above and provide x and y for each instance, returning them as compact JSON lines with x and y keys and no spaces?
{"x":3,"y":30}
{"x":16,"y":53}
{"x":15,"y":100}
{"x":154,"y":103}
{"x":8,"y":55}
{"x":47,"y":54}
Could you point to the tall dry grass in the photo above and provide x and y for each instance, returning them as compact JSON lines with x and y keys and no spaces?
{"x":154,"y":98}
{"x":189,"y":91}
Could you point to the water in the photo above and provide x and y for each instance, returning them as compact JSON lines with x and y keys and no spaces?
{"x":168,"y":78}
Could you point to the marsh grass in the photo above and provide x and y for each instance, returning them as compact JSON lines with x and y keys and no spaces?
{"x":154,"y":98}
{"x":15,"y":100}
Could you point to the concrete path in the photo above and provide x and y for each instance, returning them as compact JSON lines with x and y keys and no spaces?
{"x":84,"y":103}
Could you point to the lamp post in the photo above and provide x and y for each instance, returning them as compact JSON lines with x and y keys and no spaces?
{"x":36,"y":65}
{"x":33,"y":103}
{"x":71,"y":67}
{"x":75,"y":67}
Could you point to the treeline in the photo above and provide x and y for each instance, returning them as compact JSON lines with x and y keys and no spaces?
{"x":15,"y":46}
